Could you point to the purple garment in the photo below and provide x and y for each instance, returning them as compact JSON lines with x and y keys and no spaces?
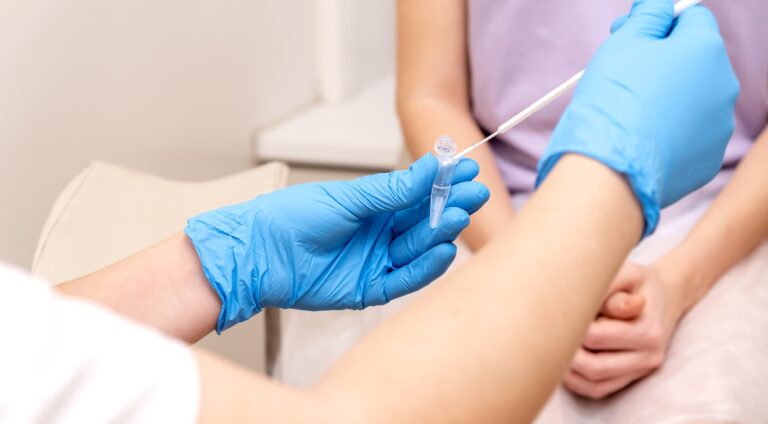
{"x":520,"y":50}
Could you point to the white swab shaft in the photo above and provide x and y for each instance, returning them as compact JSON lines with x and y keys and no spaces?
{"x":530,"y":110}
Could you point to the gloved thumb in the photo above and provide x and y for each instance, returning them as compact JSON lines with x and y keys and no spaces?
{"x":619,"y":23}
{"x":648,"y":18}
{"x":398,"y":190}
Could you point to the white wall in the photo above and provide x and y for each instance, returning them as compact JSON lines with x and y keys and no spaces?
{"x":355,"y":45}
{"x":174,"y":87}
{"x":354,"y":123}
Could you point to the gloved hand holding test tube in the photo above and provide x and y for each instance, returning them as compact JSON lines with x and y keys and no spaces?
{"x":441,"y":188}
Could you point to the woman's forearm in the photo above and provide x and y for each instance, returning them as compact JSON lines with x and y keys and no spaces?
{"x":736,"y":223}
{"x":491,"y":341}
{"x":433,"y":98}
{"x":156,"y":287}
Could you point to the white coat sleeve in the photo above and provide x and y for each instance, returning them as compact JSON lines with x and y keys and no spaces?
{"x":64,"y":360}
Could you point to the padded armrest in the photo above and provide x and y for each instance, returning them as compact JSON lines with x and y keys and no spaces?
{"x":108,"y":212}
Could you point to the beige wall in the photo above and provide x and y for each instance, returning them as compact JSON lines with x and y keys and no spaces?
{"x":174,"y":87}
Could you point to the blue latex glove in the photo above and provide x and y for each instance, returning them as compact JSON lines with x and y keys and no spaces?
{"x":334,"y":245}
{"x":656,"y":104}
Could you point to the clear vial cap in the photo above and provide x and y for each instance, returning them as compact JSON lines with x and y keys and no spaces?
{"x":445,"y":146}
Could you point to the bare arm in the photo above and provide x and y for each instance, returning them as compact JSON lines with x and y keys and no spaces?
{"x":443,"y":359}
{"x":156,"y":287}
{"x":562,"y":251}
{"x":734,"y":225}
{"x":433,"y":97}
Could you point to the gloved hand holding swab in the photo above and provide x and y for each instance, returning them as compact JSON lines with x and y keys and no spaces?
{"x":440,"y":190}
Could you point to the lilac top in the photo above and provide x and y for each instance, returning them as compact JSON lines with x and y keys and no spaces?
{"x":520,"y":50}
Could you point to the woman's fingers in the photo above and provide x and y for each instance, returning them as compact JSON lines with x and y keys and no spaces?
{"x":608,"y":365}
{"x":576,"y":383}
{"x":622,"y":300}
{"x":615,"y":334}
{"x":629,"y":279}
{"x":623,"y":305}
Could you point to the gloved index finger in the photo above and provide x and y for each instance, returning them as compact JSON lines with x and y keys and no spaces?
{"x":466,"y":170}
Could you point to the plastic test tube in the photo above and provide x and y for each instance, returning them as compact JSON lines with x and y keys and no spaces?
{"x":445,"y":148}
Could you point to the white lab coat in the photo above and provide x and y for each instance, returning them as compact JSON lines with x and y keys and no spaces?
{"x":64,"y":360}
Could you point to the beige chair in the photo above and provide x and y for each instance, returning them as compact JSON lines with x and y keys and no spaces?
{"x":108,"y":212}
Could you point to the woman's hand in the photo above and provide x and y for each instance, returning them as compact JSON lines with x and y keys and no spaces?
{"x":629,"y":339}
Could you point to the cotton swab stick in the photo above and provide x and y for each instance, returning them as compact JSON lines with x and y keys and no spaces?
{"x":680,"y":7}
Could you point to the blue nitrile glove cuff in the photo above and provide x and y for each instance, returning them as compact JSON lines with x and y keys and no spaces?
{"x":655,"y":104}
{"x":651,"y":209}
{"x":224,"y":251}
{"x":600,"y":144}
